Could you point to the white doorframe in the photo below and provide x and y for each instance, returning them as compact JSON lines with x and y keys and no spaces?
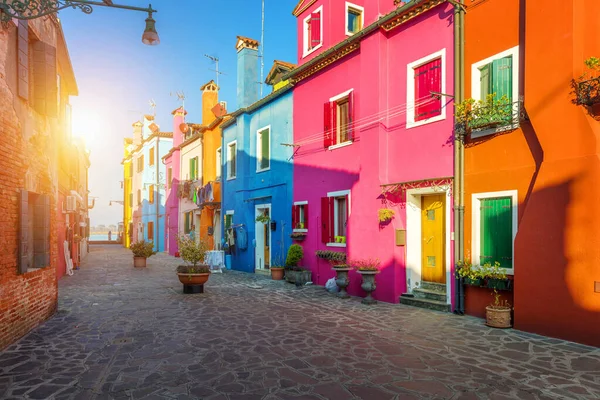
{"x":413,"y":238}
{"x":259,"y":227}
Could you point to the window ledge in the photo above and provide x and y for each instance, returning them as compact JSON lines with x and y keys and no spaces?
{"x":491,"y":131}
{"x":300,"y":230}
{"x":263,"y":170}
{"x":231,"y":178}
{"x":336,"y":244}
{"x":309,"y":52}
{"x":339,"y":146}
{"x":414,"y":124}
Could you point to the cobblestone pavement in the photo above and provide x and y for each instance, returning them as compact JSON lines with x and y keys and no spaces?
{"x":122,"y":333}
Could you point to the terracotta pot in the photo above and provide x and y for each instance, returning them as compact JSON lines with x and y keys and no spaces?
{"x":497,"y":317}
{"x":277,"y":274}
{"x":139,"y":262}
{"x":193,"y":279}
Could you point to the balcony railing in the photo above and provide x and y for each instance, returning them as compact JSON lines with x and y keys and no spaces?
{"x":484,"y":118}
{"x":588,"y":92}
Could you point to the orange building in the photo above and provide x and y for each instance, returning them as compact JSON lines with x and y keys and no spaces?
{"x":532,"y":174}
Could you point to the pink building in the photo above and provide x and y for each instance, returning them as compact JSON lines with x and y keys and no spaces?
{"x":374,"y":133}
{"x":172,"y":163}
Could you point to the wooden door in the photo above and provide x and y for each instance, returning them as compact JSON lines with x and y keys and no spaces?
{"x":433,"y":236}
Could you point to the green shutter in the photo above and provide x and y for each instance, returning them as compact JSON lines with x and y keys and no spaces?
{"x":485,"y":78}
{"x":192,"y":169}
{"x":502,"y":77}
{"x":228,"y":221}
{"x":496,"y":231}
{"x":186,"y":226}
{"x":264,"y":159}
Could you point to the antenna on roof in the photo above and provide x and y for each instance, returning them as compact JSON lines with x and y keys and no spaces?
{"x":216,"y":61}
{"x":152,"y":106}
{"x":181,"y":97}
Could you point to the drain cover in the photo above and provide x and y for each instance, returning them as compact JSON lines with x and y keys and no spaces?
{"x":123,"y":341}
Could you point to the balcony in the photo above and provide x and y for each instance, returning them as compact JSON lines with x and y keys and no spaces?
{"x":480,"y":118}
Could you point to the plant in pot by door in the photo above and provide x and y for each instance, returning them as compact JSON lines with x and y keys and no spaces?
{"x":277,"y":269}
{"x":497,"y":314}
{"x":141,"y":251}
{"x":193,"y":275}
{"x":294,"y":273}
{"x":368,"y":268}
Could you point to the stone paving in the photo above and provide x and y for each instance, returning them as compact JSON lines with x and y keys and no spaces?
{"x":122,"y":333}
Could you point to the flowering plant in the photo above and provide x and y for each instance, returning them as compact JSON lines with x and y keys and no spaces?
{"x":366,"y":264}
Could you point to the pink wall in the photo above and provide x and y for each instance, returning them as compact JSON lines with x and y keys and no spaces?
{"x":384,"y":150}
{"x":172,"y":203}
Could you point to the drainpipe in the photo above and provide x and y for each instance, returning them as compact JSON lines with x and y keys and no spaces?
{"x":157,"y":198}
{"x":459,"y":151}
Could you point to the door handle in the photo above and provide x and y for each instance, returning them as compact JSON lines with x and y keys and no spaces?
{"x":428,"y":240}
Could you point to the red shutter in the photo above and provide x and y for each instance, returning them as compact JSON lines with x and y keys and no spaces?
{"x":334,"y":127}
{"x":327,"y":137}
{"x":428,"y":78}
{"x":435,"y":85}
{"x":326,"y":216}
{"x":306,"y":216}
{"x":350,"y":126}
{"x":295,"y":210}
{"x":315,"y":29}
{"x":421,"y":93}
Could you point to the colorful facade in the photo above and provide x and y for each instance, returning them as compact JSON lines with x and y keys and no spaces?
{"x":536,"y":177}
{"x":127,"y":192}
{"x":257,"y":173}
{"x":172,"y":164}
{"x":373,"y":130}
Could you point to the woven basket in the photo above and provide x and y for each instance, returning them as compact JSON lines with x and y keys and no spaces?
{"x":497,"y":317}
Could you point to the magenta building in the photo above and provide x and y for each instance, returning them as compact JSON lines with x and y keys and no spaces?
{"x":373,"y":130}
{"x":172,"y":162}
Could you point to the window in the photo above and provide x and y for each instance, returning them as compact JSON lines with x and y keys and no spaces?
{"x":193,"y":172}
{"x":335,"y":209}
{"x":139,"y":196}
{"x":140,"y":163}
{"x":150,"y":229}
{"x":151,"y":194}
{"x":263,"y":149}
{"x":495,"y":228}
{"x":228,"y":219}
{"x":188,"y":224}
{"x":219,"y":162}
{"x":151,"y":161}
{"x":34,"y":231}
{"x":338,"y":120}
{"x":300,"y":216}
{"x":170,"y":177}
{"x":354,"y":18}
{"x":231,"y":160}
{"x":426,"y":77}
{"x":313,"y":28}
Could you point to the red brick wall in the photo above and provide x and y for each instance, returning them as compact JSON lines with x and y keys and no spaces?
{"x":25,"y":300}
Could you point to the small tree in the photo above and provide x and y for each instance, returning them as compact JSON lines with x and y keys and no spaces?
{"x":193,"y":253}
{"x":295,"y":254}
{"x":142,"y":249}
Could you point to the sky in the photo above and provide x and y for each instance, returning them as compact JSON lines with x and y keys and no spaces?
{"x":117,"y":75}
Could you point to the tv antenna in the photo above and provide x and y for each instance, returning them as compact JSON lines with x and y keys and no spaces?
{"x":152,"y":106}
{"x":216,"y":61}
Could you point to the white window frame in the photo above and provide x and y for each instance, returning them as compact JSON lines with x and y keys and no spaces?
{"x":476,"y":223}
{"x":305,"y":38}
{"x":259,"y":148}
{"x":476,"y":85}
{"x":340,"y":193}
{"x":362,"y":17}
{"x":331,"y":100}
{"x":410,"y":87}
{"x":229,"y":175}
{"x":219,"y":162}
{"x":300,"y":203}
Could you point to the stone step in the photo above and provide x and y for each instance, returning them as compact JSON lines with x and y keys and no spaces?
{"x":425,"y":303}
{"x":430,"y":294}
{"x":438,"y":287}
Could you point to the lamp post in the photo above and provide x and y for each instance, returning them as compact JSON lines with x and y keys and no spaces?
{"x":32,"y":9}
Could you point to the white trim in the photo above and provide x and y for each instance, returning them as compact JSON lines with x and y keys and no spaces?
{"x":300,"y":203}
{"x":341,"y":95}
{"x":476,"y":84}
{"x":258,"y":133}
{"x":266,"y":226}
{"x":413,"y":238}
{"x":476,"y":224}
{"x":337,"y":146}
{"x":231,"y":177}
{"x":339,"y":193}
{"x":362,"y":18}
{"x":336,"y":244}
{"x":300,"y":230}
{"x":305,"y":38}
{"x":219,"y":162}
{"x":410,"y":89}
{"x":230,"y":212}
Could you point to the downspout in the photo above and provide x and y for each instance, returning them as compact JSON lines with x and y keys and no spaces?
{"x":459,"y":151}
{"x":157,"y":199}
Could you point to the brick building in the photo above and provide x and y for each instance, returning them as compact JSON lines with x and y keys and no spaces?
{"x":36,"y":80}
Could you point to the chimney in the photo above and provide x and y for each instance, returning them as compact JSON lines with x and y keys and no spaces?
{"x":178,"y":121}
{"x":137,"y":133}
{"x":210,"y":98}
{"x":247,"y":71}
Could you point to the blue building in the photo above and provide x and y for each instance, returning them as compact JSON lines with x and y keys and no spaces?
{"x":257,"y":167}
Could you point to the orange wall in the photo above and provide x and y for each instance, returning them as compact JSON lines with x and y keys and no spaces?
{"x":552,"y":162}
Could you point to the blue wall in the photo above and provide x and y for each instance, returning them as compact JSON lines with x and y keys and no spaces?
{"x":273,"y":186}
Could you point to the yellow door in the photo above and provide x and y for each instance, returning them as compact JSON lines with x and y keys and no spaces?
{"x":433,"y":239}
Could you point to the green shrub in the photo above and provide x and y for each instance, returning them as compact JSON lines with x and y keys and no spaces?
{"x":294,"y":255}
{"x":192,"y":252}
{"x":142,"y":249}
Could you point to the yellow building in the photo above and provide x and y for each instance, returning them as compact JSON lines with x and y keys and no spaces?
{"x":127,"y":192}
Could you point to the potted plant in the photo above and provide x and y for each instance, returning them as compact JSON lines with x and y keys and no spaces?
{"x":484,"y":114}
{"x":193,"y":275}
{"x":385,"y":215}
{"x":294,"y":273}
{"x":277,"y":269}
{"x":471,"y":276}
{"x":263,"y":218}
{"x":299,"y":236}
{"x":586,"y":88}
{"x":340,"y":266}
{"x":141,"y":251}
{"x":367,"y":268}
{"x":497,"y":314}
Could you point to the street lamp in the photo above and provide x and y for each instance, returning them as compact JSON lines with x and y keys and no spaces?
{"x":31,"y":9}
